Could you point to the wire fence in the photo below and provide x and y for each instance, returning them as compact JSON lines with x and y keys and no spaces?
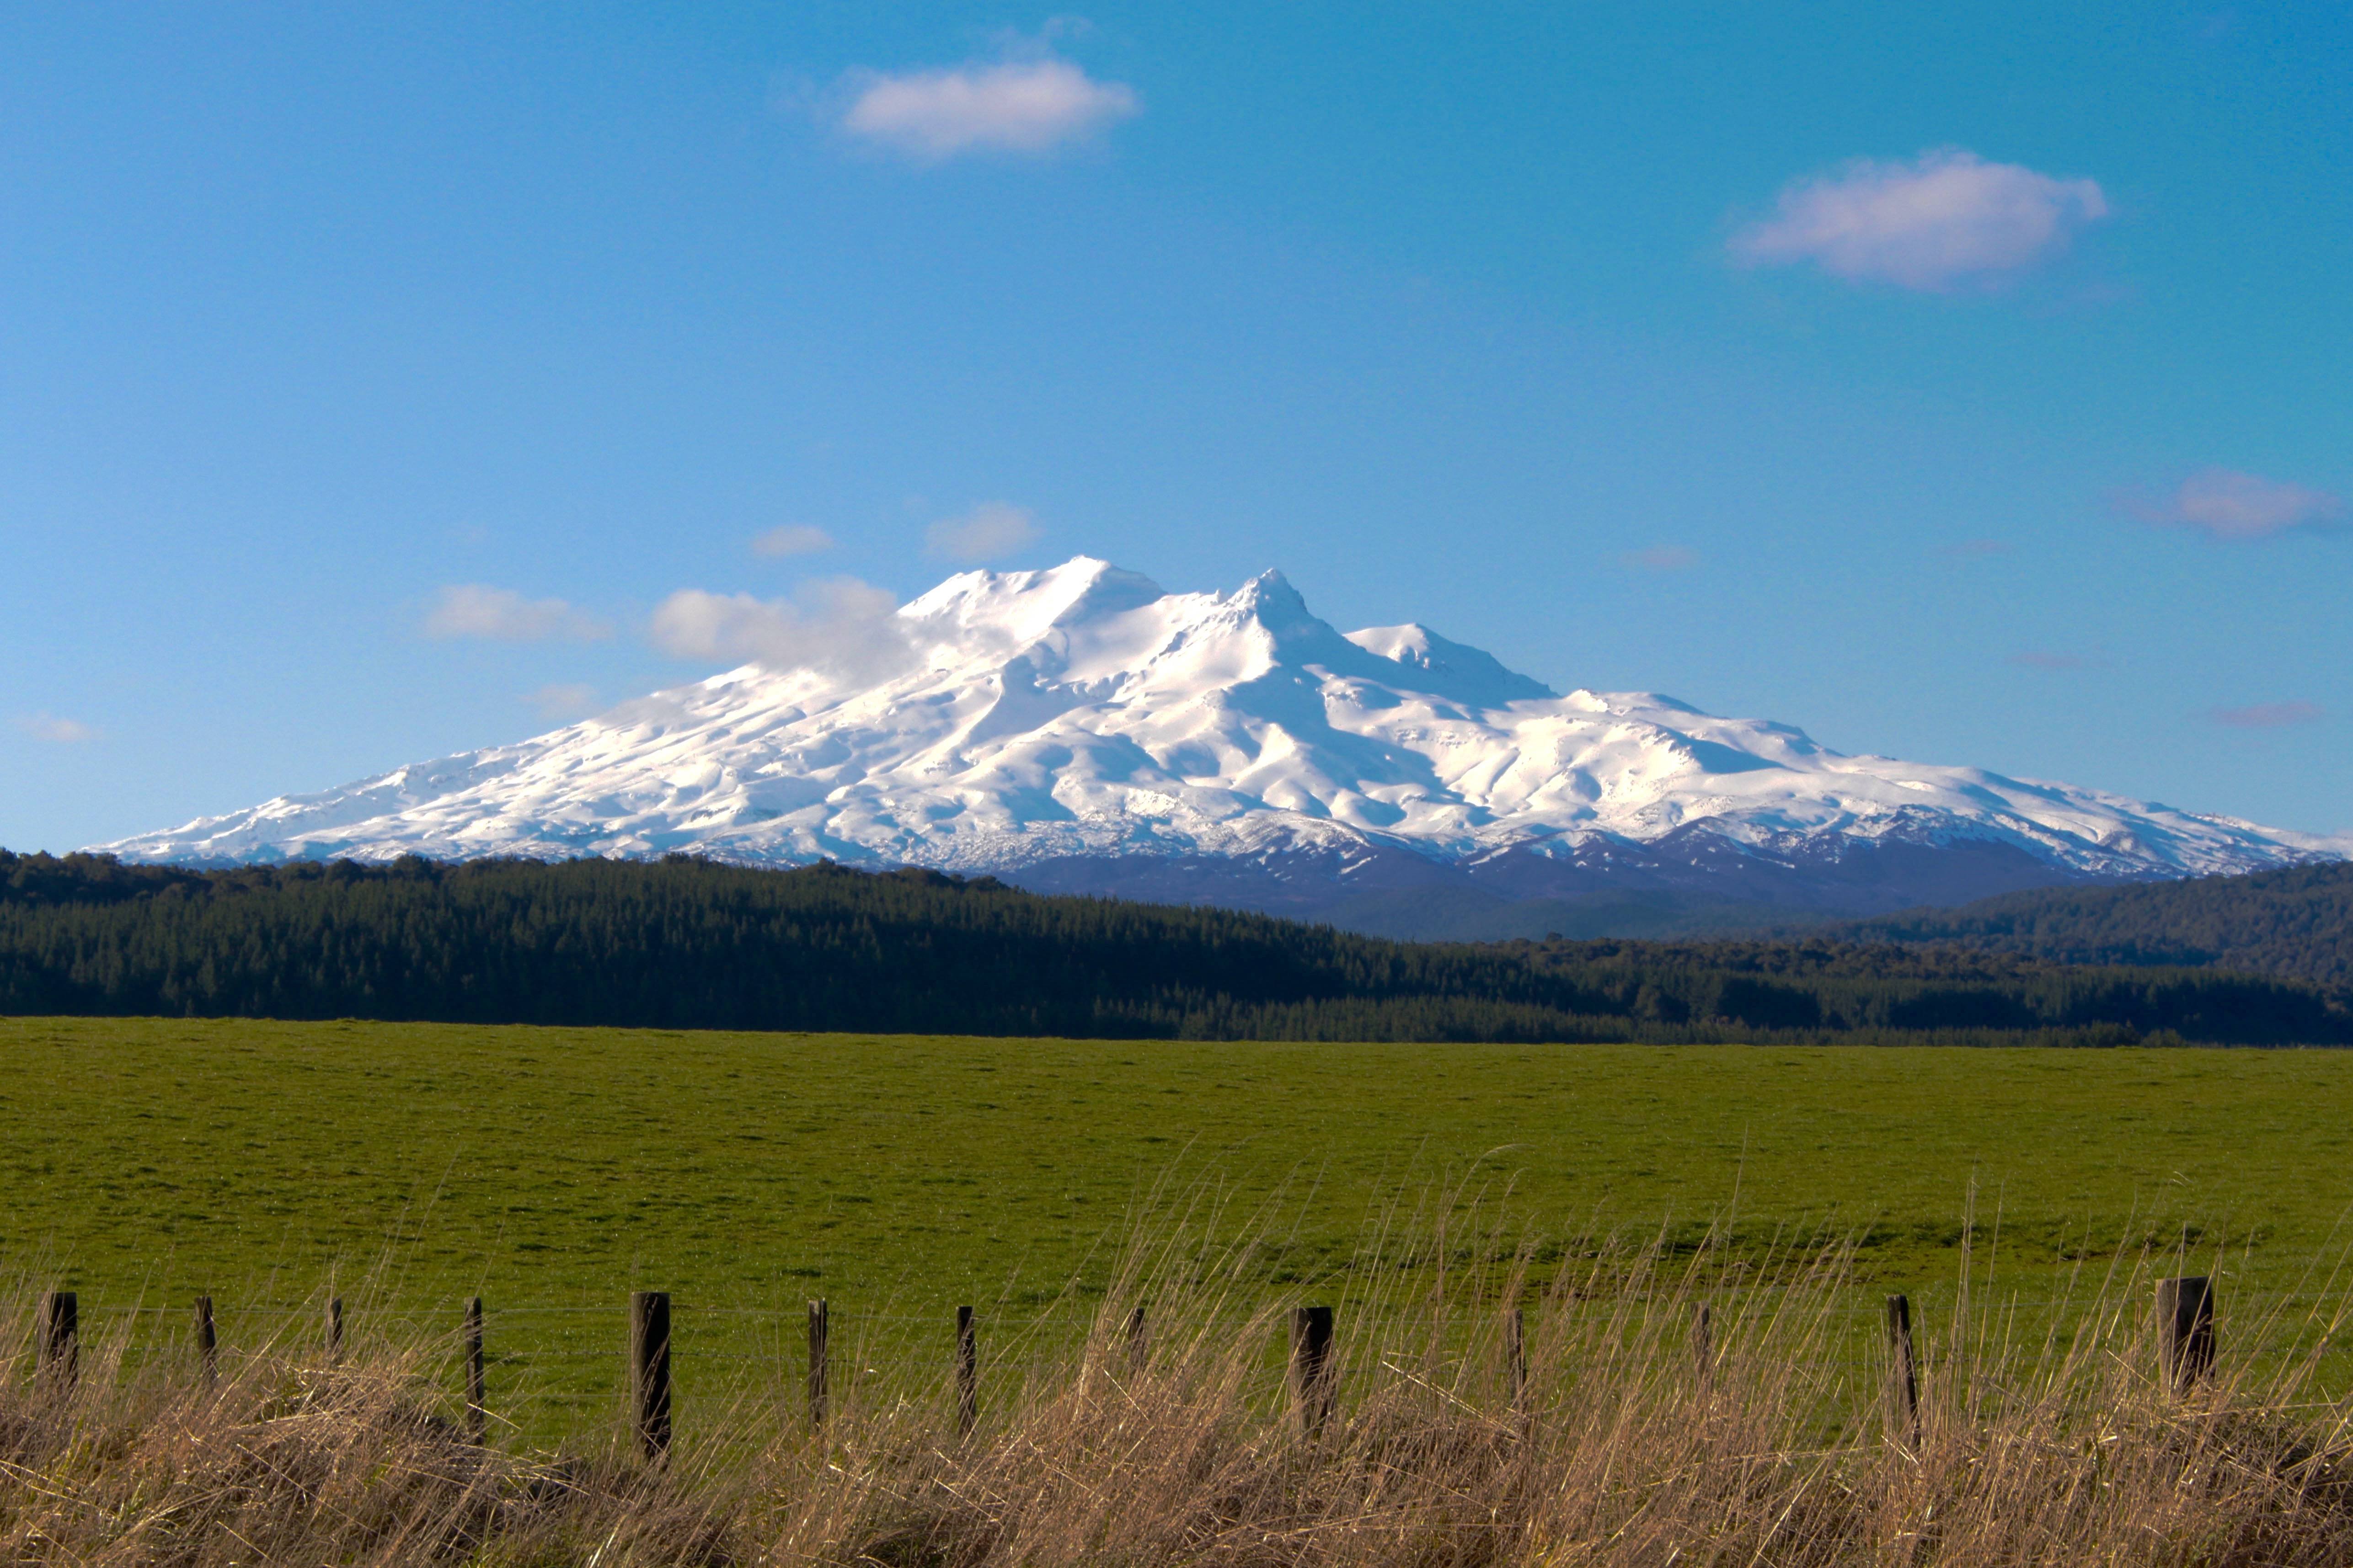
{"x":553,"y":1368}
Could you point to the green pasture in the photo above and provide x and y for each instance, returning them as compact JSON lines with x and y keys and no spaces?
{"x":552,"y":1170}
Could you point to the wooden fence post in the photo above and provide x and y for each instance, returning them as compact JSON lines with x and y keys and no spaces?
{"x":1903,"y":1383}
{"x":478,"y":1414}
{"x":334,"y":1328}
{"x":1139,"y":1347}
{"x":819,"y":1332}
{"x":2185,"y":1329}
{"x":1515,"y":1354}
{"x":967,"y":1371}
{"x":650,"y":1371}
{"x":1312,"y":1379}
{"x":207,"y":1341}
{"x":61,"y":1329}
{"x":1703,"y":1338}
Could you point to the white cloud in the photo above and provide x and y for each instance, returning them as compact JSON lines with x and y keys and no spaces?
{"x":2266,"y":715}
{"x":56,"y":731}
{"x":1029,"y":106}
{"x":1946,"y":217}
{"x":474,"y":610}
{"x":792,"y":539}
{"x":843,"y":626}
{"x":2229,"y":505}
{"x":992,"y":528}
{"x":570,"y":701}
{"x":1660,"y":558}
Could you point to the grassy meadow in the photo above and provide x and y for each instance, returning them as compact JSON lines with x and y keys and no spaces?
{"x":1608,"y":1421}
{"x":551,"y":1170}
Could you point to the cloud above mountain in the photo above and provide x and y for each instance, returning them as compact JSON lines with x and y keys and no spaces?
{"x":465,"y":610}
{"x":989,"y":530}
{"x":56,"y":731}
{"x":1940,"y":221}
{"x":2225,"y":504}
{"x":1026,"y":107}
{"x":2266,"y":715}
{"x":1660,"y":558}
{"x":568,"y":699}
{"x":841,"y":626}
{"x":792,"y":539}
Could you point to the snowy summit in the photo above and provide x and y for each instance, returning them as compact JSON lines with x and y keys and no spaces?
{"x":1081,"y":729}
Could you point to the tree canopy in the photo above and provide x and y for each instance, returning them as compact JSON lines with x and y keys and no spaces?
{"x":691,"y":944}
{"x":2296,"y":923}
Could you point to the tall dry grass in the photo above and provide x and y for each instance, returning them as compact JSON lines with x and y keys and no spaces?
{"x":2046,"y":1436}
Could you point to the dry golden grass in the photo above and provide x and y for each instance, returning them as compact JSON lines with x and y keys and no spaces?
{"x":1628,"y":1443}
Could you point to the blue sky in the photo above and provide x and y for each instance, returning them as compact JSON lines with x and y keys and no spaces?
{"x":1966,"y":384}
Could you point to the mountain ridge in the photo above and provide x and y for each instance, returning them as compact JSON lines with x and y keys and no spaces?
{"x":1079,"y":724}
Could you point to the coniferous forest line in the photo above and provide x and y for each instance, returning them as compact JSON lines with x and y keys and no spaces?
{"x":695,"y":944}
{"x":2296,"y":923}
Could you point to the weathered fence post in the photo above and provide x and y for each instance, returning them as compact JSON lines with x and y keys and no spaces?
{"x":650,"y":1371}
{"x":60,"y":1330}
{"x":207,"y":1341}
{"x":1903,"y":1383}
{"x":819,"y":1331}
{"x":2185,"y":1329}
{"x":334,"y":1328}
{"x":1703,"y":1338}
{"x":967,"y":1353}
{"x":1139,"y":1347}
{"x":478,"y":1414}
{"x":1515,"y":1354}
{"x":1312,"y":1377}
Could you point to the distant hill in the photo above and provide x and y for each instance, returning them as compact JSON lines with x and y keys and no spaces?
{"x":2296,"y":923}
{"x":687,"y":943}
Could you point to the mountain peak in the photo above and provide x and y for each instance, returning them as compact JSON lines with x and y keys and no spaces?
{"x":1270,"y":601}
{"x":1271,"y":587}
{"x":1024,"y":607}
{"x":1080,"y":714}
{"x":1460,"y":667}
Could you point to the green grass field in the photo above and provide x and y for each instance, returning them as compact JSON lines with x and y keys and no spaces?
{"x":553,"y":1170}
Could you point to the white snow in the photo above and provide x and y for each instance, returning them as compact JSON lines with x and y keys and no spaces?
{"x":1083,"y":710}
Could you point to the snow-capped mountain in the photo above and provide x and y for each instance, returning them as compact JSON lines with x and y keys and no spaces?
{"x":1079,"y":729}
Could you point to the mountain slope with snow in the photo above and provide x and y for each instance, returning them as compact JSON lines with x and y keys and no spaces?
{"x":1078,"y":728}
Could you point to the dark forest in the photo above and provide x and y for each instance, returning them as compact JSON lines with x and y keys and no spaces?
{"x":689,"y":943}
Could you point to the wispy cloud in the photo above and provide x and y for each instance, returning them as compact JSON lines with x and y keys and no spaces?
{"x":2042,"y":658}
{"x":842,"y":626}
{"x":565,"y":701}
{"x":2225,"y":504}
{"x":792,"y":539}
{"x":2266,"y":715}
{"x":992,"y":528}
{"x":475,"y":610}
{"x":1945,"y":218}
{"x":56,"y":731}
{"x":1660,"y":558}
{"x":1018,"y":106}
